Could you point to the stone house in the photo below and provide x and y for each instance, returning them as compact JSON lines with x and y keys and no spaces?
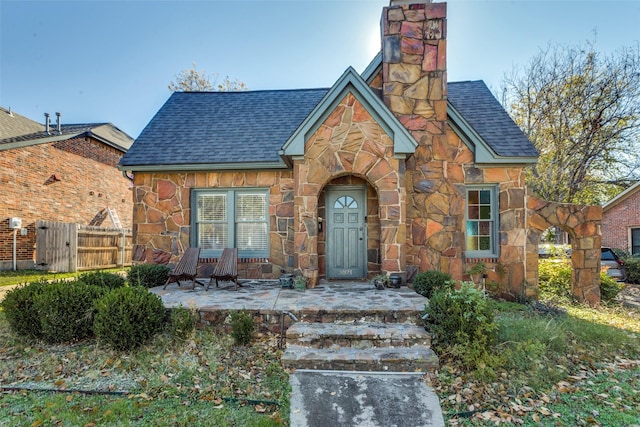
{"x":393,"y":170}
{"x":58,"y":172}
{"x":621,"y":221}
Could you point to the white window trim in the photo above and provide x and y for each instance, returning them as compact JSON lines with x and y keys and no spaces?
{"x":231,"y":220}
{"x":630,"y":241}
{"x":494,"y":252}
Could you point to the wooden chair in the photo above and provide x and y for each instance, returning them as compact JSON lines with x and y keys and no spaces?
{"x":226,"y":268}
{"x":186,"y":269}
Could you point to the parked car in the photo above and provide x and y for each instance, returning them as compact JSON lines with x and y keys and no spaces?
{"x":613,"y":265}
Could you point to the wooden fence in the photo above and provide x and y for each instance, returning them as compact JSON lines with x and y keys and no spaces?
{"x":69,"y":247}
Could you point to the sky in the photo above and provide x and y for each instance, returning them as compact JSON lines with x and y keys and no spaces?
{"x":111,"y":61}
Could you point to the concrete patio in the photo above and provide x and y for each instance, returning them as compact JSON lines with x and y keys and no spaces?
{"x":328,"y":302}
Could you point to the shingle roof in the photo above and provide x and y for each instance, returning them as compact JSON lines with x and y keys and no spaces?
{"x":215,"y":128}
{"x":475,"y":102}
{"x":17,"y":130}
{"x":222,"y":127}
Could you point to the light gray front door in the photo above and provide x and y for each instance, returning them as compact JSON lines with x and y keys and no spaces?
{"x":346,"y":232}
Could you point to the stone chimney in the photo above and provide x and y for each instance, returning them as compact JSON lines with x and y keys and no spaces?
{"x":414,"y":69}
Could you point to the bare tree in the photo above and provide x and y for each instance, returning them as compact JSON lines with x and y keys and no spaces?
{"x":194,"y":80}
{"x":581,"y":109}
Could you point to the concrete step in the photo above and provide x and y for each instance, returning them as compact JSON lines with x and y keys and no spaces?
{"x":357,"y":335}
{"x":390,"y":359}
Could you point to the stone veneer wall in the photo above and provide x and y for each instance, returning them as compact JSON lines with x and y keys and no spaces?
{"x":583,"y":224}
{"x":413,"y":83}
{"x":162,"y":215}
{"x":350,"y":142}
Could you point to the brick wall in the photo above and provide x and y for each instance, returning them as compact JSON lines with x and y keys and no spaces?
{"x":69,"y":181}
{"x":617,"y":220}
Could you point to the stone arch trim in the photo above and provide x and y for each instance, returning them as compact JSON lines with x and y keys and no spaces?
{"x":350,"y":142}
{"x":583,"y":223}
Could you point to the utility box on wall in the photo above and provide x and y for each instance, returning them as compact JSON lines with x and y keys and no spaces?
{"x":15,"y":222}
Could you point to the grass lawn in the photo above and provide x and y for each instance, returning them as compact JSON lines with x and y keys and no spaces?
{"x":581,"y":368}
{"x":203,"y":381}
{"x":577,"y":366}
{"x":10,"y":277}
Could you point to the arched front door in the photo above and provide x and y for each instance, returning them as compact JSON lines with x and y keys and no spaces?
{"x":346,"y":243}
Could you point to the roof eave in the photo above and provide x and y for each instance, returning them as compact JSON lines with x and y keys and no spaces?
{"x":483,"y":153}
{"x":198,"y":167}
{"x":621,"y":197}
{"x":351,"y":82}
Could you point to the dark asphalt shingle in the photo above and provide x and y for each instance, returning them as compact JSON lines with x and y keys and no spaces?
{"x":475,"y":102}
{"x":222,"y":127}
{"x":211,"y":128}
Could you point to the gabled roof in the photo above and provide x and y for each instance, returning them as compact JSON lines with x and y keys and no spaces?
{"x":18,"y":131}
{"x":479,"y":119}
{"x":476,"y":113}
{"x":221,"y":130}
{"x":621,"y":197}
{"x":351,"y":82}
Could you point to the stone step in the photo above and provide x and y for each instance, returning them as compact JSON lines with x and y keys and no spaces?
{"x":390,"y":359}
{"x":337,"y":315}
{"x":357,"y":335}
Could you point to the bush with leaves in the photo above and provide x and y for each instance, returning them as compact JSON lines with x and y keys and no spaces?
{"x":632,"y":266}
{"x":66,"y":311}
{"x":462,"y":323}
{"x":148,"y":275}
{"x":554,"y":278}
{"x":103,"y":279}
{"x":182,"y":322}
{"x":427,"y":282}
{"x":242,"y":327}
{"x":20,"y":309}
{"x":128,"y":317}
{"x":609,"y":288}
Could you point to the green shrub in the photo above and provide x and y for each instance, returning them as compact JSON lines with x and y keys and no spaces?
{"x":242,"y":327}
{"x":103,"y":279}
{"x":632,"y":265}
{"x":554,"y":278}
{"x":128,"y":317}
{"x":20,"y":310}
{"x":609,"y":288}
{"x":148,"y":275}
{"x":427,"y":282}
{"x":462,"y":323}
{"x":182,"y":322}
{"x":66,"y":311}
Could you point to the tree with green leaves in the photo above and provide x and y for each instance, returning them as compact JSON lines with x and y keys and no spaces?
{"x":194,"y":80}
{"x":581,"y":110}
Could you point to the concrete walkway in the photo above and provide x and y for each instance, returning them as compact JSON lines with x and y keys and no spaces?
{"x":340,"y":398}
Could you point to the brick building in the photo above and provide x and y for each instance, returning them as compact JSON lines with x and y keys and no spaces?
{"x":58,"y":172}
{"x":621,"y":221}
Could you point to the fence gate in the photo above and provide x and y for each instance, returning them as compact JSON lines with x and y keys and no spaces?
{"x":56,"y":246}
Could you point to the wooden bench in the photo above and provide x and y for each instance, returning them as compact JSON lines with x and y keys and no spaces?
{"x":226,"y":268}
{"x":186,"y":269}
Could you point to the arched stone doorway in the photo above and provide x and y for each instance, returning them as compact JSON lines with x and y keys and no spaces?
{"x":583,"y":224}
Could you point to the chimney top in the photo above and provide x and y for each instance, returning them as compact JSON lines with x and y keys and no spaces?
{"x":407,"y":2}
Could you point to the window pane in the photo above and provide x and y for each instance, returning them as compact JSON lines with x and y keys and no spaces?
{"x":474,"y":212}
{"x":635,"y":241}
{"x":485,"y":243}
{"x":472,"y":243}
{"x":472,"y":228}
{"x":485,"y":212}
{"x":212,"y":207}
{"x":485,"y":197}
{"x":485,"y":228}
{"x":474,"y":198}
{"x":252,"y":236}
{"x":345,"y":202}
{"x":212,"y":236}
{"x":251,"y":207}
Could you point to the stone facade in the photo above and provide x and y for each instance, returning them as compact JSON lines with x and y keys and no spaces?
{"x":583,"y":224}
{"x":72,"y":180}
